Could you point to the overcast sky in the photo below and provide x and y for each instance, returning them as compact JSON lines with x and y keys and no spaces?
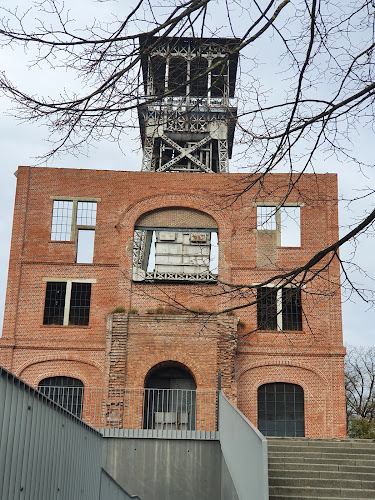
{"x":21,"y":143}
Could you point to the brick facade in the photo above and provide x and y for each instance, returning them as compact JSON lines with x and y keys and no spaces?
{"x":119,"y":349}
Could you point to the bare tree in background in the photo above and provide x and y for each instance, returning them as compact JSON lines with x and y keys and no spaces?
{"x":360,"y":387}
{"x":323,"y":92}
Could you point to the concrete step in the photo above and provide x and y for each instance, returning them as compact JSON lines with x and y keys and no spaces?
{"x":322,"y":483}
{"x":320,"y":443}
{"x":320,"y":474}
{"x":321,"y":469}
{"x":323,"y":454}
{"x":284,"y":492}
{"x":324,"y":449}
{"x":309,"y":460}
{"x":302,"y":466}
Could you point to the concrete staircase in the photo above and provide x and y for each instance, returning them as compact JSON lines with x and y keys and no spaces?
{"x":321,"y":469}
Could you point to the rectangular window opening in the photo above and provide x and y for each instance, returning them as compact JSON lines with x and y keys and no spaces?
{"x":290,"y":227}
{"x":266,"y":218}
{"x":286,"y":220}
{"x":279,"y":310}
{"x":80,"y":304}
{"x":62,"y":213}
{"x":85,"y":246}
{"x":54,"y":304}
{"x":67,"y":303}
{"x":291,"y":309}
{"x":267,"y":309}
{"x":185,"y":255}
{"x":86,"y":213}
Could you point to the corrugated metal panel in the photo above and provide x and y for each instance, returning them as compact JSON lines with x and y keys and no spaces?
{"x":45,"y":451}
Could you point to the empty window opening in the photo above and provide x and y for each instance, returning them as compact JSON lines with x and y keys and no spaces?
{"x":85,"y":246}
{"x":290,"y":227}
{"x":61,"y":220}
{"x":219,"y":78}
{"x":177,"y":254}
{"x":158,"y":65}
{"x":279,"y":310}
{"x":65,"y":391}
{"x":67,"y":303}
{"x":175,"y":243}
{"x":170,"y":398}
{"x":198,"y":77}
{"x":285,"y":220}
{"x":177,"y":76}
{"x":266,"y":218}
{"x":281,"y":410}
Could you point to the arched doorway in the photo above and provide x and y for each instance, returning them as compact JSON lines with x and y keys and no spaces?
{"x":170,"y":397}
{"x":65,"y":391}
{"x":281,"y":410}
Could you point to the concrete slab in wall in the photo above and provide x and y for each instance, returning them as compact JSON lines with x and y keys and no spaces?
{"x":161,"y":469}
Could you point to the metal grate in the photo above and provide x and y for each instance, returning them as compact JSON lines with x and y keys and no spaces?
{"x":86,"y":213}
{"x":65,"y":391}
{"x":281,"y":410}
{"x":266,"y":218}
{"x":55,"y":303}
{"x":267,"y":308}
{"x":61,"y":220}
{"x":292,"y":310}
{"x":80,"y":304}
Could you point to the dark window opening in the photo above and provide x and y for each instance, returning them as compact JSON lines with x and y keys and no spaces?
{"x":158,"y":73}
{"x":80,"y":304}
{"x":279,"y":309}
{"x":54,"y":304}
{"x":170,"y":398}
{"x":291,"y":309}
{"x":177,"y":76}
{"x":67,"y":303}
{"x":199,"y":81}
{"x":267,"y":308}
{"x":218,"y":78}
{"x":65,"y":391}
{"x":281,"y":410}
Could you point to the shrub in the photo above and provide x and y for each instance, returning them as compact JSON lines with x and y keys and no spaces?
{"x":361,"y":428}
{"x":118,"y":309}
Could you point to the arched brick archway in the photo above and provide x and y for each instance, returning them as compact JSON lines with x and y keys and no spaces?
{"x":315,"y":394}
{"x":170,"y":397}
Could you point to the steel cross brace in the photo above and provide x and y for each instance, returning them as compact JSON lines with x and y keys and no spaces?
{"x":185,"y":152}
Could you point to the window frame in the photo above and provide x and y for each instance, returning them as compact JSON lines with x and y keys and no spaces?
{"x":68,"y":296}
{"x":74,"y":226}
{"x":277,"y":207}
{"x":279,"y":308}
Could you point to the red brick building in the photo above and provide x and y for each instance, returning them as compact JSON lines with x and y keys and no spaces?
{"x":116,"y":278}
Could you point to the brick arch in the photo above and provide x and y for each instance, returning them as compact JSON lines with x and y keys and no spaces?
{"x":194,"y":368}
{"x":151,"y":203}
{"x":166,"y":364}
{"x":177,"y":217}
{"x":88,"y":373}
{"x":314,"y":392}
{"x":282,"y":362}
